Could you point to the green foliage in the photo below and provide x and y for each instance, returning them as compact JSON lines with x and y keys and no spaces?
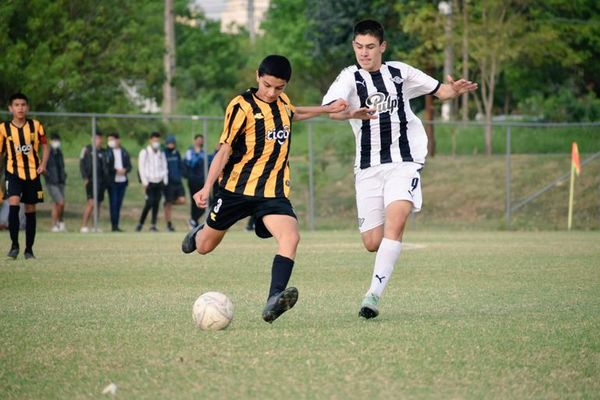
{"x":208,"y":66}
{"x":563,"y":106}
{"x":73,"y":55}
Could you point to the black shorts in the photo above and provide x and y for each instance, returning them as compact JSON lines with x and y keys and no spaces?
{"x":173,"y":191}
{"x":30,"y":192}
{"x":229,"y":208}
{"x":89,"y":191}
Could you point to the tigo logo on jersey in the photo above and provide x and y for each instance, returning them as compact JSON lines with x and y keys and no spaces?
{"x":281,"y":136}
{"x":25,"y":149}
{"x":382,"y":102}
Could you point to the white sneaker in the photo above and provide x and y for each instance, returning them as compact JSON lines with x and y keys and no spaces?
{"x":62,"y":227}
{"x":55,"y":228}
{"x":84,"y":229}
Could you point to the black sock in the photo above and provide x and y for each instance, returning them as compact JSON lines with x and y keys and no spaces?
{"x":13,"y":225}
{"x":280,"y":274}
{"x":30,"y":225}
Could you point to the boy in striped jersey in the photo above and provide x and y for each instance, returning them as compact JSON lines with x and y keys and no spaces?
{"x":20,"y":139}
{"x":252,"y":163}
{"x":391,"y":146}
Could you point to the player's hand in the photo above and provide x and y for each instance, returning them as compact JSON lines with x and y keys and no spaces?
{"x":201,"y":197}
{"x":41,"y":169}
{"x":461,"y":86}
{"x":363,"y":113}
{"x":335,"y":107}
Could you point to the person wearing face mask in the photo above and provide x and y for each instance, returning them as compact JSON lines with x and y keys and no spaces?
{"x":152,"y":167}
{"x":174,"y":192}
{"x":56,"y":179}
{"x":86,"y":168}
{"x":119,"y":165}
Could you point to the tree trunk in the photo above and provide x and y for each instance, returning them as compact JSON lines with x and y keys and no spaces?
{"x":169,"y":95}
{"x":465,"y":60}
{"x":488,"y":133}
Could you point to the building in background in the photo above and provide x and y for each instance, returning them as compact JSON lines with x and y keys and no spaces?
{"x":234,"y":14}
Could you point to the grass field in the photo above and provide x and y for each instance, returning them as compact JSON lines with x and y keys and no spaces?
{"x":467,"y":315}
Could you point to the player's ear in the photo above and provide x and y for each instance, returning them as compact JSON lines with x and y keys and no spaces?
{"x":383,"y":46}
{"x":257,"y":76}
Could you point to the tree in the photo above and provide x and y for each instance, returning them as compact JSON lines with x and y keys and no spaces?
{"x":73,"y":55}
{"x":210,"y":64}
{"x":424,"y":25}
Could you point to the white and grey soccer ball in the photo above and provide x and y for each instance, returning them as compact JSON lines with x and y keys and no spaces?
{"x":212,"y":311}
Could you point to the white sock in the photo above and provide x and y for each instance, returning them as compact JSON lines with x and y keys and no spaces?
{"x":387,"y":255}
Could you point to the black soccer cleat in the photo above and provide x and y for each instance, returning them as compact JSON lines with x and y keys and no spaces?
{"x":367,"y":313}
{"x":29,"y":255}
{"x":13,"y":253}
{"x":188,"y":245}
{"x":280,"y":303}
{"x":369,"y":307}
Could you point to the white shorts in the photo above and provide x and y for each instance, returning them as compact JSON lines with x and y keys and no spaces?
{"x":377,"y":187}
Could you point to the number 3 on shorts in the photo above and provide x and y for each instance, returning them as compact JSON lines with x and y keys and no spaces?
{"x":217,"y":206}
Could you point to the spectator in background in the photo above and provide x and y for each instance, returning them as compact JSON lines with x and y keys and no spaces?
{"x":86,"y":167}
{"x":194,"y":171}
{"x":119,"y":165}
{"x":174,"y":192}
{"x":56,"y":179}
{"x":152,"y":166}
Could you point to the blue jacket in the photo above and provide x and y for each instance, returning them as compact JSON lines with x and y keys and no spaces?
{"x":194,"y":164}
{"x":174,"y":165}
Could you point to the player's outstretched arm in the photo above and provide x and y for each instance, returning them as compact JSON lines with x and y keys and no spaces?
{"x":307,"y":112}
{"x":359,"y":113}
{"x":454,"y":88}
{"x":216,"y":167}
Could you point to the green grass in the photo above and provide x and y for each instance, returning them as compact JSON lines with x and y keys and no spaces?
{"x":467,"y":315}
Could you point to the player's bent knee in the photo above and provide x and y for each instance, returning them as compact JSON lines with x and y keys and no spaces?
{"x":371,"y":243}
{"x":204,"y":249}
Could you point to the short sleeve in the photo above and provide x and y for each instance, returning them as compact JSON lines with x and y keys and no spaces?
{"x":41,"y":133}
{"x":417,"y":83}
{"x":341,"y":88}
{"x":2,"y":139}
{"x":291,"y":109}
{"x":235,"y":121}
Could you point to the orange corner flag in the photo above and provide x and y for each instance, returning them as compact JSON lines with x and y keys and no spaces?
{"x":575,"y":158}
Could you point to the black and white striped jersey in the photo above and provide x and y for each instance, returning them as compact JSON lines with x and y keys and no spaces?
{"x":397,"y":134}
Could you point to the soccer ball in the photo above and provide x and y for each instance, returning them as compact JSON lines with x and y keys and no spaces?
{"x":212,"y":311}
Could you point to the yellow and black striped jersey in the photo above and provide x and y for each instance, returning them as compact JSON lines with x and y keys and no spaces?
{"x":260,"y":135}
{"x":22,"y":147}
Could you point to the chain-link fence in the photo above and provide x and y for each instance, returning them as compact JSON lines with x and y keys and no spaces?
{"x":520,"y":186}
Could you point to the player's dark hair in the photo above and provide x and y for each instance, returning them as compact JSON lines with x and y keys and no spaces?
{"x":369,"y":27}
{"x":54,"y":136}
{"x":198,"y":135}
{"x":277,"y":66}
{"x":18,"y":96}
{"x":113,"y":135}
{"x":154,"y":135}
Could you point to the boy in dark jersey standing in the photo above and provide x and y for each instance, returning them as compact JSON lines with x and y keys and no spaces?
{"x":20,"y":139}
